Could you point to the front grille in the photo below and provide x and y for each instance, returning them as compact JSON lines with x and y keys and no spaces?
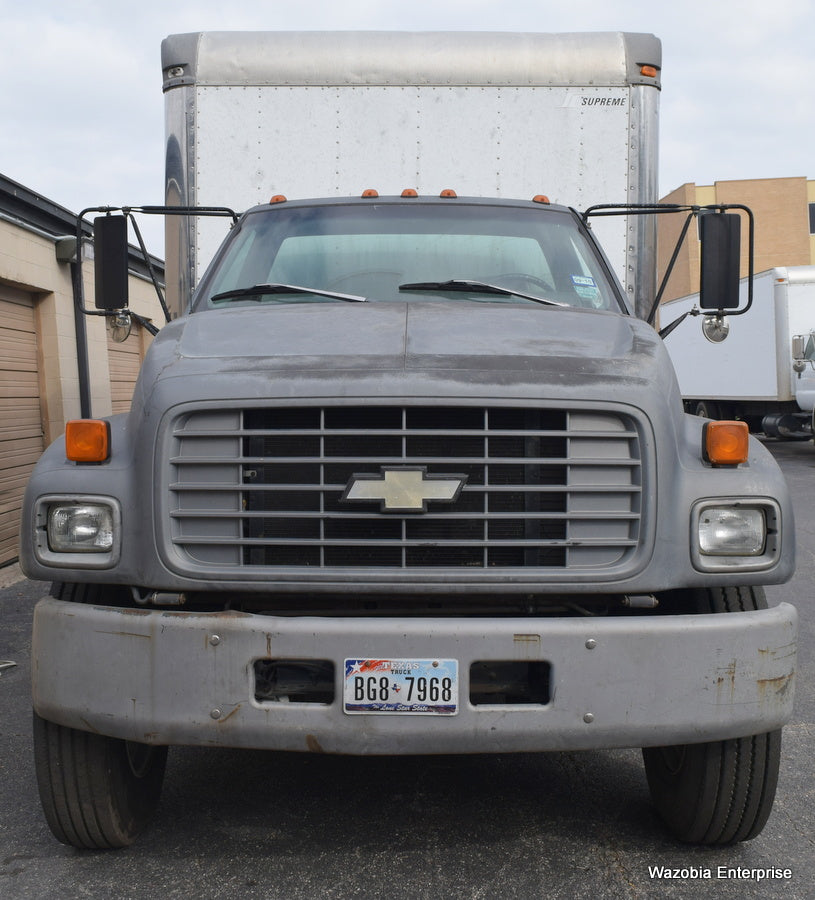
{"x":545,"y":488}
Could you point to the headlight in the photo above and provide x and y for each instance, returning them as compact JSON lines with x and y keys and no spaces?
{"x":735,"y":533}
{"x":85,"y":528}
{"x":732,"y":531}
{"x":78,"y":532}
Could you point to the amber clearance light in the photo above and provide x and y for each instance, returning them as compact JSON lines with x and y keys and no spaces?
{"x":87,"y":440}
{"x":726,"y":443}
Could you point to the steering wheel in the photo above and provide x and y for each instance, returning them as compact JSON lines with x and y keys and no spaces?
{"x":337,"y":283}
{"x":523,"y":276}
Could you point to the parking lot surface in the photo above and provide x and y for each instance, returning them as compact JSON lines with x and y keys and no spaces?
{"x":563,"y":825}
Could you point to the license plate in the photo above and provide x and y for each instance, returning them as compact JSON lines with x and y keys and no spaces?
{"x":419,"y":687}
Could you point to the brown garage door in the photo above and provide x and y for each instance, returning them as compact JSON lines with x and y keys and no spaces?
{"x":21,"y":435}
{"x":124,"y":360}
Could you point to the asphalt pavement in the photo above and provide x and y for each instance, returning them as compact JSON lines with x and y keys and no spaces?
{"x":244,"y":824}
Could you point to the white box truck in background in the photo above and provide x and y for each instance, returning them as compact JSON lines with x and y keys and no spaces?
{"x":764,"y":372}
{"x":324,"y":114}
{"x":405,"y":474}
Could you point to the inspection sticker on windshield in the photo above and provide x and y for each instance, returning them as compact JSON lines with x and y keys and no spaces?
{"x":585,"y":287}
{"x":419,"y":687}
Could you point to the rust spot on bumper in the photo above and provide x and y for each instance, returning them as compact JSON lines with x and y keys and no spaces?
{"x":226,"y":718}
{"x":775,"y":687}
{"x":527,"y":639}
{"x":313,"y":744}
{"x":526,"y":646}
{"x":726,"y":680}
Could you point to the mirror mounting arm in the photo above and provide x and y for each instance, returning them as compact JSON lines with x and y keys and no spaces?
{"x":112,"y":252}
{"x":726,"y":234}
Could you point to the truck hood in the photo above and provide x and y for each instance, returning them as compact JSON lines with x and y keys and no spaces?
{"x":418,"y":349}
{"x":415,"y":335}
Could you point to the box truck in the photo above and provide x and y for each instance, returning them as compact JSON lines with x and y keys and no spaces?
{"x":763,"y":373}
{"x":404,"y":473}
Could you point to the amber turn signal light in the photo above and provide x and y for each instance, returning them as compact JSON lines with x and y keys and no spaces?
{"x":726,"y":443}
{"x":87,"y":440}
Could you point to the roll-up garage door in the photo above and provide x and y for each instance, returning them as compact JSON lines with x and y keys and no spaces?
{"x":125,"y":360}
{"x":21,"y":434}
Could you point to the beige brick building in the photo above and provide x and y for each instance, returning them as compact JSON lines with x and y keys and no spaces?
{"x":784,"y":212}
{"x":41,"y":374}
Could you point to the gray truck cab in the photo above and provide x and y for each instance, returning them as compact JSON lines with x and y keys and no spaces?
{"x":410,"y":478}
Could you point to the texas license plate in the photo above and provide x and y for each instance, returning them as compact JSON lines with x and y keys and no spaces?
{"x":419,"y":687}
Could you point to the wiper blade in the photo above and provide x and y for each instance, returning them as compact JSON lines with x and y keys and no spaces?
{"x":258,"y":290}
{"x":481,"y":287}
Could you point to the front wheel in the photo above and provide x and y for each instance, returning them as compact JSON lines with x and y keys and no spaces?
{"x":97,"y":792}
{"x":707,"y":409}
{"x":716,"y":793}
{"x":719,"y":792}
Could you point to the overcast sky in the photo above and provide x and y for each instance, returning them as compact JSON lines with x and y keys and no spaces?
{"x":81,"y":107}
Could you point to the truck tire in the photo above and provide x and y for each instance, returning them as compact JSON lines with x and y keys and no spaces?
{"x":707,"y":409}
{"x":97,"y":792}
{"x":719,"y":792}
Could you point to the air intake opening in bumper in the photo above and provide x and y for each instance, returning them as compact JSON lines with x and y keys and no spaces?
{"x":294,"y":681}
{"x":504,"y":683}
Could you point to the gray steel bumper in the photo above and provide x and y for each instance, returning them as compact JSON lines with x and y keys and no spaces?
{"x":187,"y":678}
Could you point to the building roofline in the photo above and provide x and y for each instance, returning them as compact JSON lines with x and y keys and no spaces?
{"x":31,"y":207}
{"x":43,"y":215}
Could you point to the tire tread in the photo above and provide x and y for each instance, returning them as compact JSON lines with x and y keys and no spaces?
{"x":723,"y":791}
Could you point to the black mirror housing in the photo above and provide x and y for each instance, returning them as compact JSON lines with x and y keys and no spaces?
{"x":720,"y":234}
{"x":110,"y":262}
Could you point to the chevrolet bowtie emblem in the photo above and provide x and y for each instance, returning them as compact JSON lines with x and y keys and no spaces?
{"x":404,"y":489}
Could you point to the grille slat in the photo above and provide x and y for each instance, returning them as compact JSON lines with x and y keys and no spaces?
{"x":396,"y":460}
{"x":423,"y":543}
{"x":545,"y":488}
{"x":202,"y":487}
{"x":377,"y":517}
{"x":399,"y":432}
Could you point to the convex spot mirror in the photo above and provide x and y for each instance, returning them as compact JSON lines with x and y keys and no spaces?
{"x":110,"y":261}
{"x":715,"y":328}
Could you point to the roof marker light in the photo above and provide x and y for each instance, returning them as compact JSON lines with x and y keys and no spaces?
{"x":278,"y":198}
{"x":541,"y":198}
{"x":410,"y":192}
{"x":370,"y":192}
{"x":448,"y":192}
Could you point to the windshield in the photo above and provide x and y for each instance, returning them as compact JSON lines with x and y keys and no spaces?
{"x":408,"y":251}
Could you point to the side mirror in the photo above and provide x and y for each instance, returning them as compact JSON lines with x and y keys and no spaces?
{"x":798,"y":346}
{"x":110,"y":261}
{"x":720,"y":234}
{"x":803,"y":351}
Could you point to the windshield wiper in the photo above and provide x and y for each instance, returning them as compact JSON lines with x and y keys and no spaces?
{"x":258,"y":290}
{"x":480,"y":287}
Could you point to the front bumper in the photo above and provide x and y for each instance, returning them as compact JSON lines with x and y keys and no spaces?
{"x":188,"y":678}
